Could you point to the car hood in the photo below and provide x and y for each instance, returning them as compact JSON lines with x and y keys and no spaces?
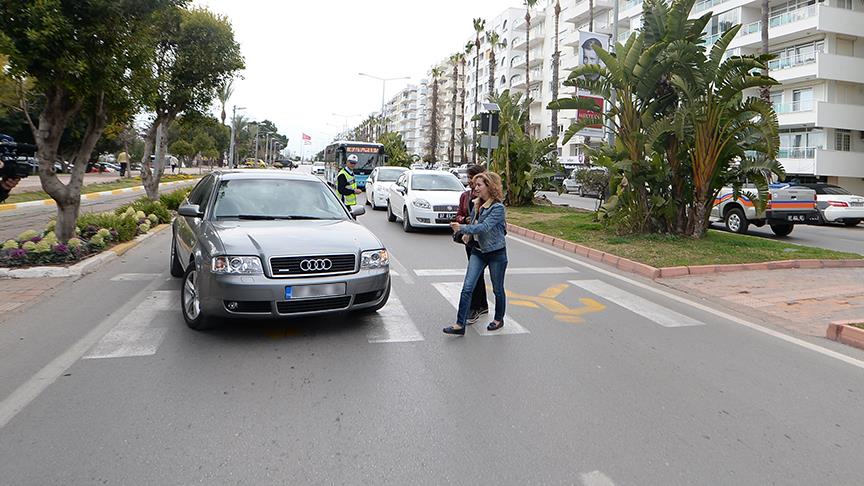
{"x":290,"y":238}
{"x":437,"y":197}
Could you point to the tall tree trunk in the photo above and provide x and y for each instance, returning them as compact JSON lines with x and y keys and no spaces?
{"x":453,"y":120}
{"x":591,"y":16}
{"x":765,"y":92}
{"x":476,"y":96}
{"x":492,"y":71}
{"x":556,"y":61}
{"x":527,"y":70}
{"x":462,"y":143}
{"x":433,"y":123}
{"x":150,"y":175}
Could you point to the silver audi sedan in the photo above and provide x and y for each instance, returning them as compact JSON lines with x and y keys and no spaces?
{"x":269,"y":244}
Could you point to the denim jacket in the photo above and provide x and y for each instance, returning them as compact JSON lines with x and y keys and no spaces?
{"x":491,"y":228}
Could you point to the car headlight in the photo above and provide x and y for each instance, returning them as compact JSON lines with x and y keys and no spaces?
{"x":421,"y":204}
{"x":236,"y":265}
{"x":374,"y":259}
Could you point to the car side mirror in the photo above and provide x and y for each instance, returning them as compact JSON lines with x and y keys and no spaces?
{"x":190,"y":211}
{"x":401,"y":190}
{"x":358,"y":211}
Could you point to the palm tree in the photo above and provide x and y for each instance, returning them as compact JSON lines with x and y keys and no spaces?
{"x":590,"y":15}
{"x":556,"y":61}
{"x":433,"y":115}
{"x":765,"y":92}
{"x":455,"y":59}
{"x":224,"y":94}
{"x":468,"y":48}
{"x":479,"y":27}
{"x":529,"y":4}
{"x":494,"y":43}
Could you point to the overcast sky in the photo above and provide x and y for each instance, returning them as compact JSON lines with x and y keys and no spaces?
{"x":302,"y":57}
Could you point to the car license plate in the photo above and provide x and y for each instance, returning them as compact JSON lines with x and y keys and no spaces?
{"x":796,"y":218}
{"x":313,"y":291}
{"x":288,"y":292}
{"x":446,"y":215}
{"x":856,"y":204}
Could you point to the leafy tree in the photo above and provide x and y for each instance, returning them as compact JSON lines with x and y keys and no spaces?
{"x":494,"y":43}
{"x":434,"y":115}
{"x":183,"y":149}
{"x":87,"y":60}
{"x":395,"y":149}
{"x":195,"y":56}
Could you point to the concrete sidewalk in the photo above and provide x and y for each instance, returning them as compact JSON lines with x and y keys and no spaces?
{"x":32,"y":183}
{"x":804,"y":301}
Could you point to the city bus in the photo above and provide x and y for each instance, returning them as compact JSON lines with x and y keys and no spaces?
{"x":369,"y":155}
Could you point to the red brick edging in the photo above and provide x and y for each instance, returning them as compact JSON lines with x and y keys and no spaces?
{"x":669,"y":272}
{"x":841,"y":331}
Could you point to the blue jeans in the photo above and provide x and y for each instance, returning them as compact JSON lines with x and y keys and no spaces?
{"x":497,"y":263}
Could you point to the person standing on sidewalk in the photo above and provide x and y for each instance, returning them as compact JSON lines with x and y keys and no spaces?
{"x":479,"y":301}
{"x":490,"y":232}
{"x":346,"y":184}
{"x":123,"y":160}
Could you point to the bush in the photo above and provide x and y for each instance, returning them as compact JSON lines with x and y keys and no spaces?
{"x":148,"y":207}
{"x":125,"y":227}
{"x":171,"y":201}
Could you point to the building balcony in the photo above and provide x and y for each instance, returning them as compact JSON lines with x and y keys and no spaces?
{"x":820,"y":114}
{"x":537,"y":18}
{"x":535,"y":59}
{"x":578,"y":14}
{"x":703,"y":6}
{"x":822,"y":162}
{"x":799,"y":23}
{"x":818,"y":66}
{"x":630,"y":8}
{"x":536,"y":78}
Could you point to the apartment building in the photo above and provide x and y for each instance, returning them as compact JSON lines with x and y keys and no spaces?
{"x":404,"y":113}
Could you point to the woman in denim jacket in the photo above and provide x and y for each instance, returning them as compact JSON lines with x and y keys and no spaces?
{"x":489,"y":232}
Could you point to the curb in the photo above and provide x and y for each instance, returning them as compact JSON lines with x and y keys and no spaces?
{"x":672,"y":272}
{"x":92,"y":195}
{"x":84,"y":267}
{"x":842,"y":331}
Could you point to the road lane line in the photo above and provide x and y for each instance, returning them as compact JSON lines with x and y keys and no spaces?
{"x":36,"y":384}
{"x":756,"y":327}
{"x":401,"y":271}
{"x":134,"y":335}
{"x":451,"y":291}
{"x":460,"y":272}
{"x":596,"y":478}
{"x":134,"y":277}
{"x":644,"y":307}
{"x":392,"y":324}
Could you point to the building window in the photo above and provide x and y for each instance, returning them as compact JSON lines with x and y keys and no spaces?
{"x":802,"y":99}
{"x":842,"y":140}
{"x":504,"y":27}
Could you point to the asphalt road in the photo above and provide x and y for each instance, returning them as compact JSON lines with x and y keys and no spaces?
{"x":828,"y":236}
{"x":606,"y":381}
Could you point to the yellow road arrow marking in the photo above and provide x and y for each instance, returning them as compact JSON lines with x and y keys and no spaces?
{"x":563,"y":313}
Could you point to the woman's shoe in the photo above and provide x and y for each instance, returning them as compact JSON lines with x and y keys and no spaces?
{"x":494,"y":327}
{"x":457,"y":331}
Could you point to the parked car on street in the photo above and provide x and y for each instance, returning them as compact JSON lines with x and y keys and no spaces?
{"x":837,"y":205}
{"x":786,"y":207}
{"x":461,"y":174}
{"x":424,"y":199}
{"x":318,"y":168}
{"x":378,"y":185}
{"x":572,"y":184}
{"x":267,"y":244}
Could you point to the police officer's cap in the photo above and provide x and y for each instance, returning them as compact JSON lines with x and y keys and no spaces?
{"x":352,"y":159}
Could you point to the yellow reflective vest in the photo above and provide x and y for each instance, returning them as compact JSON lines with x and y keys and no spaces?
{"x":350,"y":200}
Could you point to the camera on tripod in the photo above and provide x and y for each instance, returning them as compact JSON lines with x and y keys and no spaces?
{"x":11,"y":153}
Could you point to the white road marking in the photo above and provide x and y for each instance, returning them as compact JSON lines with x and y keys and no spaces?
{"x":401,"y":271}
{"x":134,"y":277}
{"x":596,"y":478}
{"x":392,"y":324}
{"x":460,"y":272}
{"x":36,"y":384}
{"x":135,"y":335}
{"x":644,"y":307}
{"x":756,"y":327}
{"x":451,"y":291}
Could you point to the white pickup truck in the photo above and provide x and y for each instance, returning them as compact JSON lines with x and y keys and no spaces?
{"x":787,"y":206}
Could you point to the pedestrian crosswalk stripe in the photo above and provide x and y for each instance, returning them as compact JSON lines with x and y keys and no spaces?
{"x":596,"y":478}
{"x":645,"y":308}
{"x":460,"y":272}
{"x":392,"y":324}
{"x":451,"y":290}
{"x":134,"y":277}
{"x":134,"y":334}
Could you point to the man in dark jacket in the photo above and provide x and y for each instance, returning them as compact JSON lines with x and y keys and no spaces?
{"x":6,"y":186}
{"x":346,"y":184}
{"x":479,"y":304}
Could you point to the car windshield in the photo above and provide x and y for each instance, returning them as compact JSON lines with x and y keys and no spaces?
{"x":389,"y":175}
{"x":833,"y":190}
{"x":436,"y":182}
{"x":276,"y":199}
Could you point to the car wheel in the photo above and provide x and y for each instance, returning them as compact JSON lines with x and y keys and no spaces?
{"x":390,"y":216}
{"x":736,"y":222}
{"x":379,"y":306}
{"x":406,"y":221}
{"x":782,"y":229}
{"x":190,"y":301}
{"x":852,"y":222}
{"x":176,"y":267}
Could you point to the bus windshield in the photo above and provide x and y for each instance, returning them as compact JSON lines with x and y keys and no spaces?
{"x":365,"y":162}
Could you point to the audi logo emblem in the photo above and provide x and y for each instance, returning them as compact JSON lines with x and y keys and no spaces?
{"x":319,"y":265}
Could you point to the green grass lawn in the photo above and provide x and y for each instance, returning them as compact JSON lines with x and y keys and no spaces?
{"x":19,"y":197}
{"x":718,"y":247}
{"x":859,"y":326}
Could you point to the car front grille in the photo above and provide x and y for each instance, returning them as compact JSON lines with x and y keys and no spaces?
{"x":313,"y":305}
{"x":367,"y":297}
{"x":312,"y":265}
{"x":446,"y":209}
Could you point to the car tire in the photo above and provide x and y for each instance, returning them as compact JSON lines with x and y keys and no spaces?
{"x":378,"y":306}
{"x":852,"y":222}
{"x":177,"y":270}
{"x":782,"y":230}
{"x":390,"y":216}
{"x":406,"y":221}
{"x":190,"y":302}
{"x":735,"y":221}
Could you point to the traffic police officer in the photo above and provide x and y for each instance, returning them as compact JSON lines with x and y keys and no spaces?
{"x":346,"y":184}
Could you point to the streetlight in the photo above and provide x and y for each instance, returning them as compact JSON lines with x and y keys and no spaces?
{"x":345,"y":120}
{"x":383,"y":89}
{"x":233,"y":133}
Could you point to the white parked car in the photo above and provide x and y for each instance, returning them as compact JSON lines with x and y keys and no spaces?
{"x":461,"y":174}
{"x":424,"y":199}
{"x":318,"y":168}
{"x":838,"y":205}
{"x":378,"y":185}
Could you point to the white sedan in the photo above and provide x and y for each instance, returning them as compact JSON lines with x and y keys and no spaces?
{"x":838,"y":205}
{"x":378,"y":185}
{"x":424,"y":199}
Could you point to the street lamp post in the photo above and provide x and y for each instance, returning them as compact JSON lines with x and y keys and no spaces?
{"x":383,"y":90}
